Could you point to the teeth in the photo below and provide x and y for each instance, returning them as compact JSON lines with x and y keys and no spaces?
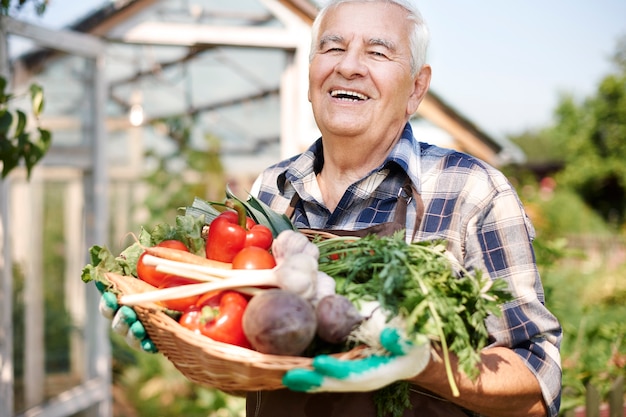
{"x":348,"y":95}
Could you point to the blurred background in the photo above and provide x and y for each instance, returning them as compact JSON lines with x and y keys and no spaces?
{"x":114,"y":114}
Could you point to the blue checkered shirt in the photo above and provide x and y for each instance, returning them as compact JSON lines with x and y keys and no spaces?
{"x":469,"y":204}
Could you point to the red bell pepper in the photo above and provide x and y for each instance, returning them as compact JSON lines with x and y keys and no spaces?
{"x":232,"y":231}
{"x":218,"y":315}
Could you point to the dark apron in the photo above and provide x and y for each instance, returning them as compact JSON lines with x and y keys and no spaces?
{"x":286,"y":403}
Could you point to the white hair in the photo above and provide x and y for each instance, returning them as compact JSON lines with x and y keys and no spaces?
{"x":419,"y":38}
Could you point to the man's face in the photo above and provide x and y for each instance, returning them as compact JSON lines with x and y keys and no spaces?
{"x":360,"y":76}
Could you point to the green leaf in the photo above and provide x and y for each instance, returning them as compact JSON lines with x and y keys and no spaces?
{"x":45,"y":139}
{"x":260,"y":212}
{"x":9,"y":162}
{"x":263,"y":214}
{"x":189,"y":231}
{"x":21,"y":123}
{"x":201,"y":207}
{"x":6,"y":119}
{"x":102,"y":261}
{"x":36,"y":97}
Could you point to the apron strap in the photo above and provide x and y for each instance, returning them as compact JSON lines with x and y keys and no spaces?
{"x":406,"y":194}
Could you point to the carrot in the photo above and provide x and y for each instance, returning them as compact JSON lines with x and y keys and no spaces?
{"x":178,"y":255}
{"x":209,"y":273}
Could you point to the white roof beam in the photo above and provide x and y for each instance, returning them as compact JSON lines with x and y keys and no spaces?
{"x":185,"y":34}
{"x":68,"y":41}
{"x":284,"y":15}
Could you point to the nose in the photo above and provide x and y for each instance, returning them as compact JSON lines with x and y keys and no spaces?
{"x":351,"y":64}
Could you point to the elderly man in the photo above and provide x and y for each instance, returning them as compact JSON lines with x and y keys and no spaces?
{"x":367,"y":77}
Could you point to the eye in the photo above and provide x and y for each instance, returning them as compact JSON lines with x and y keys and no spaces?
{"x":333,"y":49}
{"x":378,"y":54}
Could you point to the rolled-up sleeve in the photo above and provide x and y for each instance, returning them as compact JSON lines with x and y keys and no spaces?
{"x":501,"y":239}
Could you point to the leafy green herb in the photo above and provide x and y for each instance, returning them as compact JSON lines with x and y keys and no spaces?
{"x":393,"y":399}
{"x":418,"y":282}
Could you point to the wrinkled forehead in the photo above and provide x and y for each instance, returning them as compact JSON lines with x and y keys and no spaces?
{"x":376,"y":20}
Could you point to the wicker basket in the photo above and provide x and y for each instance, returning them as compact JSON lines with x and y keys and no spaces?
{"x":205,"y":361}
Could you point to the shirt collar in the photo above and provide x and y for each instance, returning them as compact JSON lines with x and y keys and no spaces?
{"x":405,"y":153}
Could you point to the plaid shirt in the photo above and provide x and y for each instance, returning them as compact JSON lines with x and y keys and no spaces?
{"x":469,"y":204}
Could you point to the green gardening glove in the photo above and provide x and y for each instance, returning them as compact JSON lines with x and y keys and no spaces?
{"x":124,"y":321}
{"x":404,"y":360}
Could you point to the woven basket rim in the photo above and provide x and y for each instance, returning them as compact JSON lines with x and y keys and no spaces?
{"x":206,"y":361}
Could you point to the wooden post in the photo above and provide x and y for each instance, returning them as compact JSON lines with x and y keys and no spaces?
{"x":27,"y":205}
{"x":616,"y":398}
{"x":592,"y":401}
{"x":75,"y":289}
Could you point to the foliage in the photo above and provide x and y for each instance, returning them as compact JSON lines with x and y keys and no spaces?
{"x":578,"y":257}
{"x":585,"y":147}
{"x":594,"y":327}
{"x":539,"y":148}
{"x":170,"y":186}
{"x":15,"y":140}
{"x":9,"y":7}
{"x":592,"y":134}
{"x":576,"y":198}
{"x":545,"y":208}
{"x":156,"y":388}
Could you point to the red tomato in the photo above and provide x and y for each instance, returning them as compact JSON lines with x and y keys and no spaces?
{"x":149,"y":273}
{"x":253,"y":257}
{"x":179,"y":304}
{"x":173,"y":244}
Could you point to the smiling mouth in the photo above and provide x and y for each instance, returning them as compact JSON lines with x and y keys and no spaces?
{"x":346,"y":95}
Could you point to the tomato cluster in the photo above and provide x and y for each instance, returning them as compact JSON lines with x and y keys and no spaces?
{"x":241,"y":241}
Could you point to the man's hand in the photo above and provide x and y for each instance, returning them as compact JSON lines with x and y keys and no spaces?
{"x":124,"y":321}
{"x":405,"y":360}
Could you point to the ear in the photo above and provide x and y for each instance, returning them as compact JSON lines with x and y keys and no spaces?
{"x":420,"y":87}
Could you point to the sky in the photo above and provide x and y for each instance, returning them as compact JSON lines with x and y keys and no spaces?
{"x":501,"y":64}
{"x":504,"y":64}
